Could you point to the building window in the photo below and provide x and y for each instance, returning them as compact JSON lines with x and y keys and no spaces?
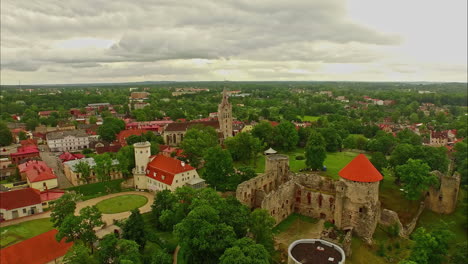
{"x":24,"y":210}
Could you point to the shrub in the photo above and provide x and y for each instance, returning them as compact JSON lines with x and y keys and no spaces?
{"x":300,"y":157}
{"x":381,"y":250}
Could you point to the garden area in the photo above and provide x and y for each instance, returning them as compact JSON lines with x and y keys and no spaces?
{"x":121,"y":203}
{"x":93,"y":190}
{"x":16,"y":233}
{"x":334,"y":162}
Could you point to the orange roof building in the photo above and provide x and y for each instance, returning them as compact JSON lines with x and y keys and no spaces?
{"x":360,"y":169}
{"x":40,"y":249}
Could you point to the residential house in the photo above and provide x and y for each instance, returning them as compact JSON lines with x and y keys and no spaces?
{"x":38,"y":175}
{"x":68,"y":140}
{"x":24,"y":152}
{"x":67,"y":156}
{"x":6,"y":168}
{"x":157,"y":173}
{"x":19,"y":203}
{"x":124,"y":134}
{"x":75,"y":177}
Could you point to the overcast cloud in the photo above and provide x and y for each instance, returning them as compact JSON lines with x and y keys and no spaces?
{"x":56,"y":41}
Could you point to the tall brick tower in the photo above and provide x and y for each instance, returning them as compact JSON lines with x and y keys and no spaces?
{"x":225,"y":116}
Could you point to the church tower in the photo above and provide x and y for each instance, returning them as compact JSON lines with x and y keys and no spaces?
{"x":225,"y":116}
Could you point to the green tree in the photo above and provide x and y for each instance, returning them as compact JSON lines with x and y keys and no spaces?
{"x":196,"y":141}
{"x":92,"y":120}
{"x":81,"y":227}
{"x":315,"y":153}
{"x":61,"y":208}
{"x":245,"y":251}
{"x":110,"y":128}
{"x":161,"y":257}
{"x":84,"y":171}
{"x":103,"y":166}
{"x":261,"y":227}
{"x":163,"y":200}
{"x":22,"y":135}
{"x":79,"y":254}
{"x":113,"y":250}
{"x":134,"y":228}
{"x":431,"y":247}
{"x":379,"y":161}
{"x":285,"y":136}
{"x":333,"y":141}
{"x":244,"y":147}
{"x":6,"y":138}
{"x":415,"y":178}
{"x":219,"y":168}
{"x":407,"y":136}
{"x":460,"y":256}
{"x":264,"y":131}
{"x":234,"y":213}
{"x":126,"y":159}
{"x":203,"y":235}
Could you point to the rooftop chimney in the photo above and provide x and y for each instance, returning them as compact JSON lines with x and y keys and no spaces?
{"x":182,"y":163}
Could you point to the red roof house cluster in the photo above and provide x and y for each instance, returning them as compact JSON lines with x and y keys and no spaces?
{"x":165,"y":168}
{"x":40,"y":249}
{"x":36,"y":171}
{"x":360,"y":169}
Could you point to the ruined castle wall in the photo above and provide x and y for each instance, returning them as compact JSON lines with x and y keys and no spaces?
{"x":246,"y":191}
{"x":444,"y":199}
{"x":315,"y":204}
{"x":316,"y":182}
{"x":280,"y":203}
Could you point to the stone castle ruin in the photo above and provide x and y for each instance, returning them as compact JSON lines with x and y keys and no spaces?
{"x":351,"y":203}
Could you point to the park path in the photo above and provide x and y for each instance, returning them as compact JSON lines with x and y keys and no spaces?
{"x":108,"y":218}
{"x":176,"y":252}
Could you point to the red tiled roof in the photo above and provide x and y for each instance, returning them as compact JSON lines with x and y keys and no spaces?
{"x":26,"y":150}
{"x":50,"y":195}
{"x":28,"y":142}
{"x":187,"y":125}
{"x":37,"y":250}
{"x":360,"y":169}
{"x":167,"y":167}
{"x":19,"y":198}
{"x":37,"y":170}
{"x":126,"y":133}
{"x":69,"y":156}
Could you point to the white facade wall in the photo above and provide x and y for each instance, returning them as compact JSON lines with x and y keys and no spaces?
{"x":68,"y":143}
{"x":22,"y":211}
{"x":40,"y":185}
{"x":179,"y":180}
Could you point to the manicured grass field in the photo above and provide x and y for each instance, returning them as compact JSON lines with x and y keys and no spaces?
{"x":309,"y":118}
{"x":121,"y":203}
{"x":392,"y":198}
{"x":334,"y":162}
{"x":94,"y":190}
{"x":13,"y":234}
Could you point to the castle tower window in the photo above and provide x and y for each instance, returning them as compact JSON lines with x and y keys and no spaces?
{"x":440,"y":197}
{"x":309,"y":198}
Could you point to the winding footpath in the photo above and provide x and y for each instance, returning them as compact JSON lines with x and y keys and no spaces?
{"x":107,"y":218}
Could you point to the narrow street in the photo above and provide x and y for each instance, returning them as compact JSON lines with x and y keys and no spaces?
{"x":54,"y":163}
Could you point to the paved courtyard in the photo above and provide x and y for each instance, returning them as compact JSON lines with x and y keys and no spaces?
{"x":54,"y":162}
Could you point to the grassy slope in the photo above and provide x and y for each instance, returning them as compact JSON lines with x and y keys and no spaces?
{"x":121,"y":203}
{"x":93,"y":190}
{"x":15,"y":233}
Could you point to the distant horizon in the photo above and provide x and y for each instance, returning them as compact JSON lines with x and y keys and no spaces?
{"x":259,"y":81}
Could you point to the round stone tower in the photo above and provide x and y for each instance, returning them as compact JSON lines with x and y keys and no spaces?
{"x":278,"y":165}
{"x":357,"y":204}
{"x":142,"y":154}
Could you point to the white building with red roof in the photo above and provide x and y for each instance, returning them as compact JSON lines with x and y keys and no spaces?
{"x":19,"y":203}
{"x":38,"y":175}
{"x":159,"y":172}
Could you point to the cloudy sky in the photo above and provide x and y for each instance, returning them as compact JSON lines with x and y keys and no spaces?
{"x":56,"y":41}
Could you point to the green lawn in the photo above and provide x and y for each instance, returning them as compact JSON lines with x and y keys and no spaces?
{"x":309,"y":118}
{"x":286,"y":223}
{"x":94,"y":190}
{"x":334,"y":162}
{"x":13,"y":234}
{"x":392,"y":198}
{"x":121,"y":203}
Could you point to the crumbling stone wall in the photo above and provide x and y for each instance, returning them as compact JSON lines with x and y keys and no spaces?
{"x":443,"y":200}
{"x":280,"y":203}
{"x":314,"y":203}
{"x":246,"y":191}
